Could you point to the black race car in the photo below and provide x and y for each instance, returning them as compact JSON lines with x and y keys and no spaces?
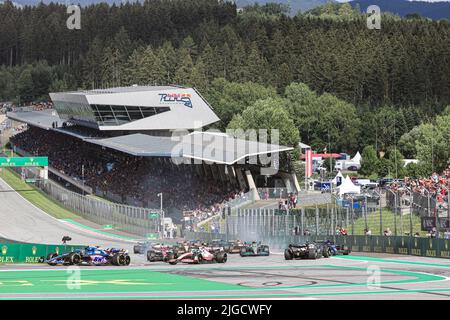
{"x":303,"y":251}
{"x":254,"y":249}
{"x":142,"y":247}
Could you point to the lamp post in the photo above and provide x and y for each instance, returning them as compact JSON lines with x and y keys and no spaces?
{"x":381,"y":215}
{"x":162,"y":215}
{"x":395,"y":210}
{"x":448,"y":202}
{"x":353,"y":217}
{"x":410,"y":212}
{"x":82,"y":176}
{"x":365,"y":211}
{"x":435,"y":213}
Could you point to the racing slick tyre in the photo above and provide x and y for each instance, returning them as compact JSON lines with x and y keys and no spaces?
{"x":136,"y":250}
{"x":127,"y":260}
{"x":243,"y":252}
{"x":173,"y":262}
{"x":265,"y":249}
{"x":221,"y":257}
{"x":288,"y":254}
{"x":73,"y":258}
{"x":313,"y":255}
{"x":51,"y":256}
{"x":326,"y":252}
{"x":118,"y":259}
{"x":169,"y":256}
{"x":151,"y":256}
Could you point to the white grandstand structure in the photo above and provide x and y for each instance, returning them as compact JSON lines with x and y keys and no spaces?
{"x":142,"y":121}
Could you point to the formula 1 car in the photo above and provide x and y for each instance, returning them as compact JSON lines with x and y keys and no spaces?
{"x":254,"y":249}
{"x":188,"y":245}
{"x":90,"y":256}
{"x":236,"y":246}
{"x":332,"y":249}
{"x":201,"y":255}
{"x":160,"y":252}
{"x":141,"y":247}
{"x":305,"y":251}
{"x":220,"y":245}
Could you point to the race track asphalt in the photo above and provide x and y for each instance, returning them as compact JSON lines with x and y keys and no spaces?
{"x":22,"y":221}
{"x":358,"y":276}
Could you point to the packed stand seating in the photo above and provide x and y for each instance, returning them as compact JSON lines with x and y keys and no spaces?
{"x":437,"y":187}
{"x":135,"y":178}
{"x":40,"y":106}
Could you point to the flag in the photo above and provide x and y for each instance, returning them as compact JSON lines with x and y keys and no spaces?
{"x":308,"y":163}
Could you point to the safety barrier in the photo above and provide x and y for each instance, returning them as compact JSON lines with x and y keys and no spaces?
{"x":31,"y":252}
{"x":425,"y":247}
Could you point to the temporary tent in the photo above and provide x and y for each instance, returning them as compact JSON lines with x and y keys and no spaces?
{"x":347,"y":186}
{"x":338,"y":179}
{"x":357,"y":158}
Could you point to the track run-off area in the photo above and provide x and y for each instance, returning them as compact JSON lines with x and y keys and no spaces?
{"x":368,"y":276}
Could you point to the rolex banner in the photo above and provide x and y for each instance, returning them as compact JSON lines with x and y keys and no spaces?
{"x":29,"y":252}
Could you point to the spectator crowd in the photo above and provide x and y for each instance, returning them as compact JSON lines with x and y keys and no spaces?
{"x":133,"y":179}
{"x":436,"y":187}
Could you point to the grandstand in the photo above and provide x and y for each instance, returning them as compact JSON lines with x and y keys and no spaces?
{"x":120,"y":143}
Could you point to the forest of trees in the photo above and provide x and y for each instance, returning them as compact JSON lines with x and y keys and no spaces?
{"x":337,"y":81}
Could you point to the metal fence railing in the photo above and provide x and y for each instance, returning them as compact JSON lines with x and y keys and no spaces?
{"x":424,"y":205}
{"x":273,"y":193}
{"x":427,"y":247}
{"x":140,"y":221}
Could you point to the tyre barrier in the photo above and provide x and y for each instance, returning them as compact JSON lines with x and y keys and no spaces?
{"x":31,"y":252}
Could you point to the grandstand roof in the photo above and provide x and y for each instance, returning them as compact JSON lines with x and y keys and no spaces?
{"x":214,"y":147}
{"x":205,"y":146}
{"x":40,"y":119}
{"x":138,"y":144}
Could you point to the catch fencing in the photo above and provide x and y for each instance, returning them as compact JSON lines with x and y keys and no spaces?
{"x":407,"y":245}
{"x":140,"y":221}
{"x":266,"y":223}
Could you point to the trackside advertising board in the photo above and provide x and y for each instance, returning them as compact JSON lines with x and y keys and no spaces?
{"x":24,"y":162}
{"x":29,"y":252}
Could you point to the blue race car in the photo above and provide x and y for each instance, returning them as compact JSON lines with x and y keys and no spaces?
{"x":329,"y":248}
{"x":90,"y":256}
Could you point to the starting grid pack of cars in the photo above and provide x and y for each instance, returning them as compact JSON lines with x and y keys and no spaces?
{"x":192,"y":252}
{"x":195,"y":252}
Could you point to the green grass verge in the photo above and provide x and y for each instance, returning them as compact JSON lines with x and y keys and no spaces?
{"x":388,"y":221}
{"x":36,"y":196}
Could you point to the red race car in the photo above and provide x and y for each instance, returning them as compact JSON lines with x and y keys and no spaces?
{"x":201,"y":255}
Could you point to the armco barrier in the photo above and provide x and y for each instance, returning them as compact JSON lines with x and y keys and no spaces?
{"x":29,"y":252}
{"x":426,"y":247}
